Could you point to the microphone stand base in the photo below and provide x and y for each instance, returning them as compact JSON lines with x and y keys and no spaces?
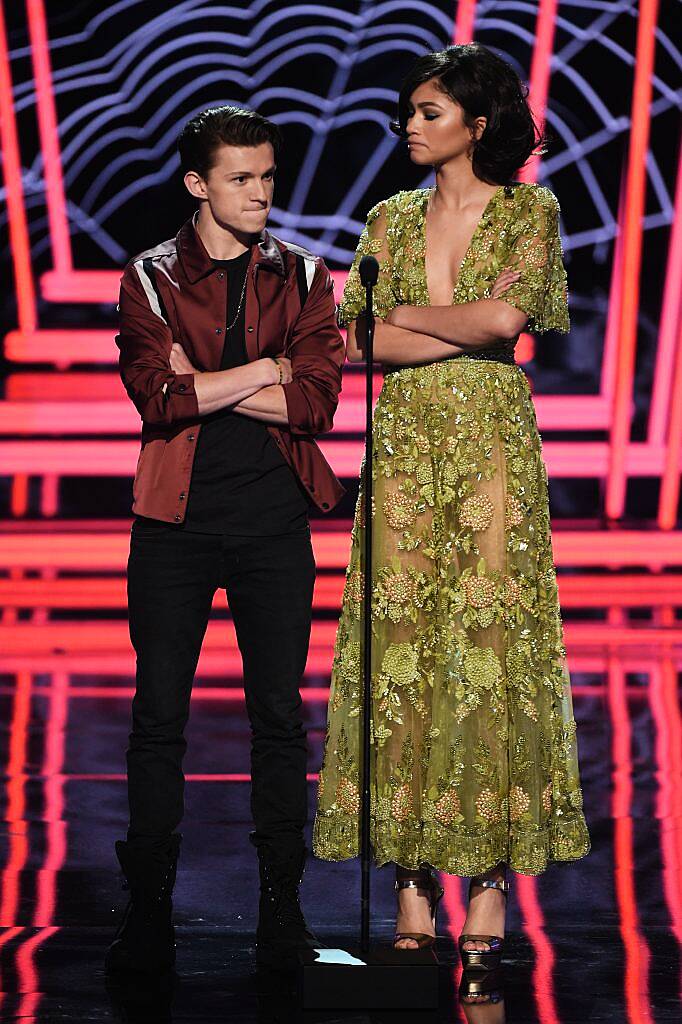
{"x":386,"y":979}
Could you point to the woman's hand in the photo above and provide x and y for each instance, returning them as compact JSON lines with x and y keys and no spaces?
{"x":179,"y":360}
{"x":505,"y":279}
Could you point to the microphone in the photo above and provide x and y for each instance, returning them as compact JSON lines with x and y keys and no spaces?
{"x":369,"y":270}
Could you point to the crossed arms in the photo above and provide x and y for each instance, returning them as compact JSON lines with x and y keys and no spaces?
{"x":412,"y":335}
{"x":166,"y":387}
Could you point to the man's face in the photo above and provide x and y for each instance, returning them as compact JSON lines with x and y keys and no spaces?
{"x":238,"y":187}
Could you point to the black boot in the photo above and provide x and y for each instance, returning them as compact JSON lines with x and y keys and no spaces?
{"x":145,"y":940}
{"x":282,"y":931}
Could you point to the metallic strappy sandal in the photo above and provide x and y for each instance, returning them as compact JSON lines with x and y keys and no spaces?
{"x":483,"y":959}
{"x":425,"y":879}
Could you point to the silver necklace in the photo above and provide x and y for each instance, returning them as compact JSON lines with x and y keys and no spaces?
{"x":239,"y":307}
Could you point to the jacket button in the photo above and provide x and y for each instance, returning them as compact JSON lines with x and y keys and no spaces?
{"x":325,"y":504}
{"x":190,"y":437}
{"x":178,"y":518}
{"x":219,"y":330}
{"x":312,"y":489}
{"x":182,"y":387}
{"x":250,"y":330}
{"x":221,"y":275}
{"x":183,"y":496}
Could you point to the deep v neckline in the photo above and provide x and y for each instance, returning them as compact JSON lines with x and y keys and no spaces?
{"x":427,"y":195}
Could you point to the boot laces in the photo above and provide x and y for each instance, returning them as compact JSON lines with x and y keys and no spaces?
{"x":283,"y":893}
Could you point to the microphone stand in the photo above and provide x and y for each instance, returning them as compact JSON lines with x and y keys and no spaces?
{"x":379,"y":977}
{"x":369,"y":275}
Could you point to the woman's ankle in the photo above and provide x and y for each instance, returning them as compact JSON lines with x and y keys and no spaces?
{"x":421,"y":874}
{"x":498,"y":873}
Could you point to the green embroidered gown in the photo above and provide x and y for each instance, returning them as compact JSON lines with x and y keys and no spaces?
{"x":474,"y":757}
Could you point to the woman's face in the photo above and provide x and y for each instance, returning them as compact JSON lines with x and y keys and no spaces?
{"x":436,"y":131}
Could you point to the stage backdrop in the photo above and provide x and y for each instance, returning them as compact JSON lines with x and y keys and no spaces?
{"x":92,"y":98}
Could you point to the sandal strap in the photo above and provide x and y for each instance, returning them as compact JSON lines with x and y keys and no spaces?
{"x":494,"y":943}
{"x":417,"y":936}
{"x":411,"y":883}
{"x":491,"y":883}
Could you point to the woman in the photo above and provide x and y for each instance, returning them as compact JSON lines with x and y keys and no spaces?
{"x":474,"y":752}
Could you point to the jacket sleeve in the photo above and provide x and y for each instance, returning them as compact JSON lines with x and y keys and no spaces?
{"x":317,"y":355}
{"x":144,"y":340}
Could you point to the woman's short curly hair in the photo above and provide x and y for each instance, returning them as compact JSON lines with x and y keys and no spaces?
{"x":483,"y":85}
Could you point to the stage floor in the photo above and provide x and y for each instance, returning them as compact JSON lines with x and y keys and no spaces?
{"x":594,"y":941}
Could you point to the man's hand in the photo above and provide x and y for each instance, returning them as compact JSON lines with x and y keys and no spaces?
{"x":287,"y":375}
{"x":180,"y":363}
{"x":179,"y":360}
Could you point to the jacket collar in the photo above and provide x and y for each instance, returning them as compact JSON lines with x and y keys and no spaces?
{"x":196,"y":263}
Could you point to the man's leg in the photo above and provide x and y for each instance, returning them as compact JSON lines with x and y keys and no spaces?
{"x":172,"y":578}
{"x":269,"y":583}
{"x":171,"y":582}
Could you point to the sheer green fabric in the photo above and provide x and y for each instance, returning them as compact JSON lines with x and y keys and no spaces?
{"x":474,"y":757}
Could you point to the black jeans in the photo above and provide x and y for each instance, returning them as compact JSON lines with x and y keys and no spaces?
{"x":172,"y":577}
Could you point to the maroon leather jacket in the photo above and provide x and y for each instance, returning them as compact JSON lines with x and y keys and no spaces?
{"x":175,"y":293}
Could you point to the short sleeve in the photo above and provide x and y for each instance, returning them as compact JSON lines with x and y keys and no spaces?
{"x":542,"y":290}
{"x":373,"y":241}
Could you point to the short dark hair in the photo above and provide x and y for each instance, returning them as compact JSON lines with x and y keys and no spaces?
{"x":223,"y":126}
{"x":484,"y":85}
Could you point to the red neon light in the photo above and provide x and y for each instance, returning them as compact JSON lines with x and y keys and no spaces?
{"x":668,"y":745}
{"x":540,"y":71}
{"x":309,"y":694}
{"x":592,"y":659}
{"x":113,"y":413}
{"x":55,"y":854}
{"x":572,"y":459}
{"x":16,"y":801}
{"x":668,"y":339}
{"x":636,"y":949}
{"x":14,"y":191}
{"x":533,"y":922}
{"x":670,"y":481}
{"x":49,"y":138}
{"x":102,"y":286}
{"x":83,"y":286}
{"x":19,"y":495}
{"x":632,"y":253}
{"x":464,"y":25}
{"x":192,"y":777}
{"x":92,"y":637}
{"x":624,"y":591}
{"x":25,"y":387}
{"x":108,"y":550}
{"x":62,"y":348}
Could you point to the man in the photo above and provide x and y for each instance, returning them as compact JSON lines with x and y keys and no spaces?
{"x":230,"y":351}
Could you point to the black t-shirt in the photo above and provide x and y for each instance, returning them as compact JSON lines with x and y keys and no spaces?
{"x":241,"y":483}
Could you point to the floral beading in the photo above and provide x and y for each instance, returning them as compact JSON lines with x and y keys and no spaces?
{"x":474,"y":757}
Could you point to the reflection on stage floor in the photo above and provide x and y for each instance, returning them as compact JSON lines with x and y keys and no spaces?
{"x":598,"y":940}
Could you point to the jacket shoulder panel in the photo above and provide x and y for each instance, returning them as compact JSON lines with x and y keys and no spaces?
{"x":168,"y":248}
{"x":309,"y":260}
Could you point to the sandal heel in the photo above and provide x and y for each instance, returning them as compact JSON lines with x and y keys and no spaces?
{"x":488,"y":959}
{"x":428,"y":880}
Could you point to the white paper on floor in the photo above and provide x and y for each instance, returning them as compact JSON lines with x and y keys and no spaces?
{"x":338,"y":956}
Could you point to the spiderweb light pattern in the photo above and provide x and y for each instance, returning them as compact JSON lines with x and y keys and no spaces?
{"x":124,"y":79}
